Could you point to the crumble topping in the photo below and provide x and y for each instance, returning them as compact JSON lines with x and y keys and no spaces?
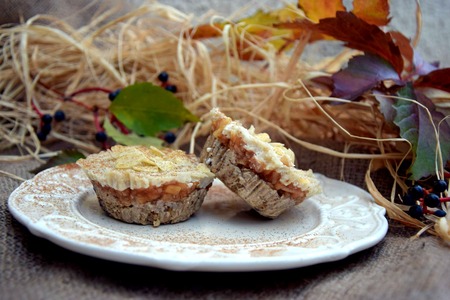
{"x":137,"y":167}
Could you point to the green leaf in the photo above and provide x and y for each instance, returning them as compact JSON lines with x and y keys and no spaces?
{"x":417,"y":127}
{"x":131,"y":138}
{"x":148,"y":109}
{"x":63,"y":157}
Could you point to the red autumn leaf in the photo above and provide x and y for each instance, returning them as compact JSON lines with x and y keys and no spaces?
{"x":406,"y":50}
{"x":438,"y":79}
{"x":360,"y":35}
{"x":320,"y":9}
{"x":363,"y":73}
{"x":374,"y":12}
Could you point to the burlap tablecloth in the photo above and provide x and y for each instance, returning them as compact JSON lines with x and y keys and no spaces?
{"x":396,"y":268}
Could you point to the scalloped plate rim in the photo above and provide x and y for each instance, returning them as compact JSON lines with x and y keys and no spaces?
{"x":310,"y":257}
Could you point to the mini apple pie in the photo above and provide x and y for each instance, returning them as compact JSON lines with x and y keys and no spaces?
{"x":259,"y":171}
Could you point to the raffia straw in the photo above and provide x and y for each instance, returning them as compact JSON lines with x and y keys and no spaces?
{"x":18,"y":158}
{"x":442,"y":228}
{"x":417,"y":34}
{"x":13,"y":176}
{"x":194,"y":66}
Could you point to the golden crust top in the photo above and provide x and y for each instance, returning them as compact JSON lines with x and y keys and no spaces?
{"x":138,"y":167}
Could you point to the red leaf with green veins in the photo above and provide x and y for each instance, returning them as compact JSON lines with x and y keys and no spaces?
{"x":360,"y":35}
{"x":363,"y":73}
{"x":438,"y":79}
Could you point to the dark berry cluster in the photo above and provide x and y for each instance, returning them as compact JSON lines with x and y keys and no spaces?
{"x":46,"y":123}
{"x":100,"y":136}
{"x":426,"y":201}
{"x":164,"y":78}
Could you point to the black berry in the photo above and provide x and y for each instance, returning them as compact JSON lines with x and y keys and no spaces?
{"x":101,"y":136}
{"x":113,"y":95}
{"x":440,"y":213}
{"x":432,"y":200}
{"x":163,"y":76}
{"x":171,"y":88}
{"x":416,"y":192}
{"x":440,"y":186}
{"x":46,"y":119}
{"x":170,"y":137}
{"x":41,"y":136}
{"x":408,"y":200}
{"x":46,"y":128}
{"x":59,"y":116}
{"x":416,"y":211}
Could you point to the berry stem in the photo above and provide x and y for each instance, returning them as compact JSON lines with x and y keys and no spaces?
{"x":97,"y":125}
{"x":88,"y":90}
{"x":88,"y":107}
{"x":445,"y":199}
{"x":424,"y":206}
{"x":36,"y":109}
{"x":70,"y":97}
{"x":50,"y":89}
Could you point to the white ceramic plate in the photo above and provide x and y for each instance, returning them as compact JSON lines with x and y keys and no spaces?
{"x":60,"y":205}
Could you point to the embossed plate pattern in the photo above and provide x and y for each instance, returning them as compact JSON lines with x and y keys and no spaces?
{"x":60,"y":205}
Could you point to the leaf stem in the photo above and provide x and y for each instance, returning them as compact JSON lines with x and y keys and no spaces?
{"x":119,"y":124}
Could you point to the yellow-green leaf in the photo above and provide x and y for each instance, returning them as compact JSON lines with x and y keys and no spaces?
{"x":259,"y":28}
{"x":131,"y":138}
